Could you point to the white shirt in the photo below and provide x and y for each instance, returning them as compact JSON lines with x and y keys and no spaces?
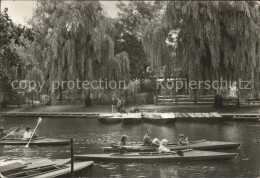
{"x":27,"y":135}
{"x":163,"y":149}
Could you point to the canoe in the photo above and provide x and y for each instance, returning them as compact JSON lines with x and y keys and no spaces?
{"x":46,"y":168}
{"x":162,"y":118}
{"x":110,"y":118}
{"x":106,"y":115}
{"x":65,"y":171}
{"x":131,"y":118}
{"x":155,"y":157}
{"x":199,"y":117}
{"x":196,"y":145}
{"x":41,"y":141}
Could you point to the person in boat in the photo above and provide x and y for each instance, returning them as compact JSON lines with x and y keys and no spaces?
{"x":28,"y":134}
{"x":147,"y":141}
{"x":123,"y":140}
{"x":120,"y":146}
{"x":3,"y":133}
{"x":183,"y":140}
{"x":163,"y":147}
{"x":156,"y":144}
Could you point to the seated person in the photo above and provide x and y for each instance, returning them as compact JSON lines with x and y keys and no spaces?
{"x":123,"y":140}
{"x":147,"y":141}
{"x":123,"y":110}
{"x":156,"y":144}
{"x":134,"y":110}
{"x":183,"y":140}
{"x":120,"y":146}
{"x":28,"y":134}
{"x":163,"y":147}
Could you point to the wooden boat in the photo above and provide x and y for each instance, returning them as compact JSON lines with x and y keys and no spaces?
{"x":196,"y":145}
{"x":38,"y":141}
{"x":41,"y":168}
{"x":64,"y":171}
{"x":162,"y":118}
{"x":131,"y":118}
{"x":155,"y":157}
{"x":110,"y":118}
{"x":200,"y":117}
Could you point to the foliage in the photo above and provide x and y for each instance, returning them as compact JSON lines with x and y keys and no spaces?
{"x":128,"y":37}
{"x":77,"y":42}
{"x":217,"y":39}
{"x":10,"y":60}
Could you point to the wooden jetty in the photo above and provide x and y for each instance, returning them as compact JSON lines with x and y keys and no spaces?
{"x":241,"y":117}
{"x":50,"y":114}
{"x":204,"y":117}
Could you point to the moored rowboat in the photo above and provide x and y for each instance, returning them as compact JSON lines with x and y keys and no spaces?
{"x":65,"y":171}
{"x":131,"y":118}
{"x":38,"y":141}
{"x":196,"y":145}
{"x":162,"y":118}
{"x":42,"y":168}
{"x":150,"y":157}
{"x":110,"y":118}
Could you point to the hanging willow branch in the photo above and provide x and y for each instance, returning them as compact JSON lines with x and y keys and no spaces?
{"x":154,"y":43}
{"x":78,"y":43}
{"x":217,"y":39}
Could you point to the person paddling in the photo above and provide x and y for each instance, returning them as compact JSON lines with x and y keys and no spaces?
{"x":28,"y":134}
{"x":147,"y":141}
{"x":183,"y":140}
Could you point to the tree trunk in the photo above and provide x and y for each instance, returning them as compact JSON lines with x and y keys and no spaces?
{"x":88,"y":100}
{"x":61,"y":95}
{"x":32,"y":100}
{"x":195,"y":96}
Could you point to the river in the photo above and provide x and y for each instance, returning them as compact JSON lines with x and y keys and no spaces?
{"x":90,"y":136}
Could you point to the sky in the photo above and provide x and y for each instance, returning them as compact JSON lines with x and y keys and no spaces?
{"x":21,"y":10}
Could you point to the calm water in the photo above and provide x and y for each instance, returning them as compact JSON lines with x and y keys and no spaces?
{"x":90,"y":136}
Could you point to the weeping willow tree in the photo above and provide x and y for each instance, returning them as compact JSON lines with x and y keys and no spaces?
{"x":78,"y":43}
{"x":158,"y":52}
{"x":217,"y":39}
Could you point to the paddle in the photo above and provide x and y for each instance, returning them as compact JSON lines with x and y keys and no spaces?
{"x":17,"y":130}
{"x":39,"y":121}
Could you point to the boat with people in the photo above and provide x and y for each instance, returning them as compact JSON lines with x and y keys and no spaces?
{"x":196,"y":145}
{"x":189,"y":155}
{"x":40,"y":167}
{"x":41,"y":141}
{"x":162,"y":118}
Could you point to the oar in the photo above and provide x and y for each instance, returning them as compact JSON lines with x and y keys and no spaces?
{"x":39,"y":121}
{"x":17,"y":130}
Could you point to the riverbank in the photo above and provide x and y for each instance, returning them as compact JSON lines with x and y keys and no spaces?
{"x":152,"y":108}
